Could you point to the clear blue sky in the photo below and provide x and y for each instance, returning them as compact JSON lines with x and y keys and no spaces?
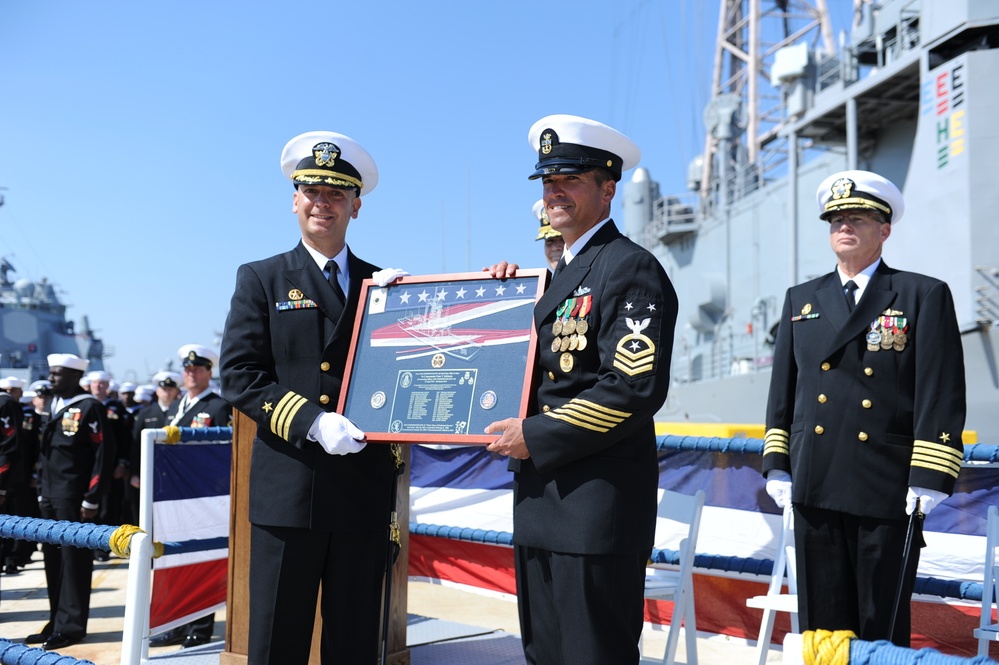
{"x":139,"y":141}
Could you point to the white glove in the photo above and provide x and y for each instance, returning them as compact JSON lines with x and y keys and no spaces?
{"x":388,"y":275}
{"x":779,"y":487}
{"x":337,"y":435}
{"x":927,"y":499}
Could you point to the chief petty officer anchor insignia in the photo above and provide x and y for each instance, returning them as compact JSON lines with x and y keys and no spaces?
{"x":635,"y":352}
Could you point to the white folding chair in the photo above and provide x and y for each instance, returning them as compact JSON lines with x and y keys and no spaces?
{"x":678,"y":584}
{"x":988,"y":631}
{"x":775,"y":601}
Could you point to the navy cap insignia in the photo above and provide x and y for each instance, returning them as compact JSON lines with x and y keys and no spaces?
{"x":546,"y":142}
{"x":842,"y":188}
{"x":295,"y":294}
{"x":325,"y":153}
{"x":192,"y":355}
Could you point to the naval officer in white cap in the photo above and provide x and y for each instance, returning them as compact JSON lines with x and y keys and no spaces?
{"x":586,"y":471}
{"x":319,"y":496}
{"x":865,"y":415}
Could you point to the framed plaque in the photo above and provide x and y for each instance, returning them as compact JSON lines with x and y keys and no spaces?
{"x":434,"y":359}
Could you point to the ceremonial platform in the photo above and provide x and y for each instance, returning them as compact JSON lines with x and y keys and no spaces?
{"x":447,"y":626}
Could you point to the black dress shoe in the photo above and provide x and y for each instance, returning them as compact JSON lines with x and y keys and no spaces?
{"x":167,"y":639}
{"x":59,"y":641}
{"x":37,"y":638}
{"x":194,"y":641}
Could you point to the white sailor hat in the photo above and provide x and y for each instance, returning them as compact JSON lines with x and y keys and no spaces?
{"x":41,"y":386}
{"x":27,"y":396}
{"x":859,"y":190}
{"x":570,"y":144}
{"x":9,"y":382}
{"x":127,"y":387}
{"x":545,"y":231}
{"x":166,"y":379}
{"x":195,"y":354}
{"x":331,"y":159}
{"x":68,"y":360}
{"x":144,"y":393}
{"x":97,"y":375}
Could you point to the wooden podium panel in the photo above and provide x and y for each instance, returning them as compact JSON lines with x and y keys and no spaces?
{"x":238,"y":596}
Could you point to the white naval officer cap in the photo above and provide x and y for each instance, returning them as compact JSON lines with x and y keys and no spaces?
{"x":571,"y":144}
{"x":331,"y":159}
{"x":8,"y":382}
{"x":545,"y":231}
{"x":859,"y":190}
{"x":196,"y":354}
{"x":68,"y":360}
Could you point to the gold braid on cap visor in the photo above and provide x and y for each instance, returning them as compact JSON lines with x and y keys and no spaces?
{"x":857,"y":202}
{"x":323,"y":177}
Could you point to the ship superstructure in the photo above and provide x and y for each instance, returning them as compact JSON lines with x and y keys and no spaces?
{"x":33,"y":324}
{"x":908,"y":91}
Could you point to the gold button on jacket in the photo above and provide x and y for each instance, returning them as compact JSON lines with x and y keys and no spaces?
{"x":324,"y":399}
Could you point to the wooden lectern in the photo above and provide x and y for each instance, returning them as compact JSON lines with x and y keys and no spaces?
{"x":238,"y":597}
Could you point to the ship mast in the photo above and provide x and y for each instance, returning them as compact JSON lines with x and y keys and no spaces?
{"x":743,"y":101}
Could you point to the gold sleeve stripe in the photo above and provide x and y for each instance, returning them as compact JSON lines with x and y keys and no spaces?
{"x":777,"y":433}
{"x":775,"y":442}
{"x":598,"y":407}
{"x":940,"y":468}
{"x":574,"y":421}
{"x":947,"y":460}
{"x":584,"y":415}
{"x":589,"y":415}
{"x":284,"y":413}
{"x":936,"y":457}
{"x":596,"y":413}
{"x":929,"y":447}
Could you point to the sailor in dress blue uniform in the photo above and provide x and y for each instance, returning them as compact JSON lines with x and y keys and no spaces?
{"x":586,"y":470}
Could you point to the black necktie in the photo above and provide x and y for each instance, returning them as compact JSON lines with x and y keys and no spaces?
{"x":848,"y":290}
{"x":334,"y":270}
{"x":558,"y":268}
